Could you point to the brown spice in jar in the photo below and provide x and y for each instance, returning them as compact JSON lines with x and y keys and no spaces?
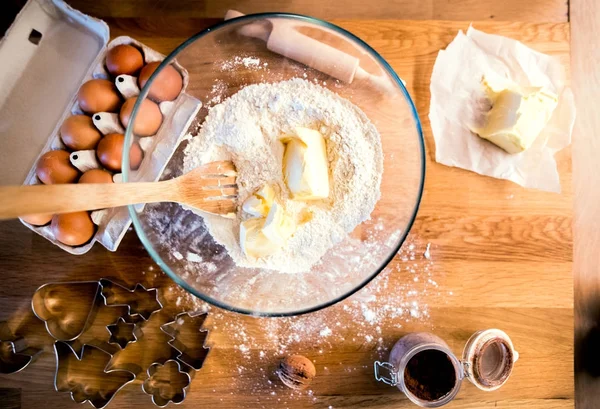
{"x":430,"y":375}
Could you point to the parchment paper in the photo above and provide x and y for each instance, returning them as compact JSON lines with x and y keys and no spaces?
{"x":458,"y":101}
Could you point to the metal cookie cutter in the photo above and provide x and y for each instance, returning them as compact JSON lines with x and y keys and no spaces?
{"x":187,"y":338}
{"x":14,"y":353}
{"x":123,"y":333}
{"x":86,"y":377}
{"x":51,"y":303}
{"x":140,"y":302}
{"x":166,"y":383}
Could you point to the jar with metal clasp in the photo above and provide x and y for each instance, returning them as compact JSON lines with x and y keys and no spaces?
{"x":424,"y":368}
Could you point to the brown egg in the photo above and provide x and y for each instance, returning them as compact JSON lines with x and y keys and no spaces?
{"x":96,"y":176}
{"x":99,"y":96}
{"x":166,"y":86}
{"x":55,"y":167}
{"x":78,"y":133}
{"x":148,"y":120}
{"x":110,"y":152}
{"x":124,"y":59}
{"x":73,"y":229}
{"x":37,"y":219}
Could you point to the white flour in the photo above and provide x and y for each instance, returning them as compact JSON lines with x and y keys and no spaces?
{"x":246,"y":129}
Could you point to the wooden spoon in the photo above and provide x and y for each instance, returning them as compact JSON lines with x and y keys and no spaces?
{"x":210,"y":188}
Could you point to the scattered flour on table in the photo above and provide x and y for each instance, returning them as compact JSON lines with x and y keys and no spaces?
{"x":246,"y":129}
{"x":366,"y":324}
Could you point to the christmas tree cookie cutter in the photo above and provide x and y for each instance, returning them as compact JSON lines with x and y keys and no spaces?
{"x":188,"y":338}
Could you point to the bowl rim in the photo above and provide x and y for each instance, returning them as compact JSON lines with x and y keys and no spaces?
{"x":129,"y":135}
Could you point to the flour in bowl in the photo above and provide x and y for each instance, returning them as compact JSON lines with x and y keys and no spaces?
{"x":246,"y":129}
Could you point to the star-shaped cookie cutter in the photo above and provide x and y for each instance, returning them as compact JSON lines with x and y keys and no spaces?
{"x":123,"y":333}
{"x":133,"y":309}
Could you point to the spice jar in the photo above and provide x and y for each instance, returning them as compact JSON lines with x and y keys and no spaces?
{"x":424,"y":368}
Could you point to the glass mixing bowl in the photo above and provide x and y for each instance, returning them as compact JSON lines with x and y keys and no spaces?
{"x":218,"y":62}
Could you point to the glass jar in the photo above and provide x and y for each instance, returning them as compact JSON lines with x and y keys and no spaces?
{"x":487,"y":362}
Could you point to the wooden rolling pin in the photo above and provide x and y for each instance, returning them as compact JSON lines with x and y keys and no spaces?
{"x":283,"y":38}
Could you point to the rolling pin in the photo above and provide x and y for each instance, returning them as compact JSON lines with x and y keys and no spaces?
{"x":282,"y":38}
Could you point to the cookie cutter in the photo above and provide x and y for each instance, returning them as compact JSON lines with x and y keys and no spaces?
{"x":166,"y":383}
{"x":66,"y":325}
{"x":68,"y":363}
{"x":123,"y":333}
{"x":14,"y":353}
{"x":115,"y":295}
{"x":183,"y":331}
{"x":63,"y":323}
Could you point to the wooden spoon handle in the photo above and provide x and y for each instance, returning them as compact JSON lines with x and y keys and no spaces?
{"x":18,"y":201}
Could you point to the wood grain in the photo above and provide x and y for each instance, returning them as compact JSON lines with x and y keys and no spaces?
{"x":533,"y":10}
{"x":585,"y":66}
{"x":502,"y":257}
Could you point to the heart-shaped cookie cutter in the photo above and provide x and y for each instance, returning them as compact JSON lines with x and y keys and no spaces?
{"x":49,"y":304}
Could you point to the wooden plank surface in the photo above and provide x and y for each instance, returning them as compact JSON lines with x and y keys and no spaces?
{"x":585,"y":60}
{"x":475,"y":10}
{"x":501,"y":257}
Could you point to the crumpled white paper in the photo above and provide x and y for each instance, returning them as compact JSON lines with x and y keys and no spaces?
{"x":458,"y":99}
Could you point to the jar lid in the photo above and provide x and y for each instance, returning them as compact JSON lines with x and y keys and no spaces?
{"x":488,"y":359}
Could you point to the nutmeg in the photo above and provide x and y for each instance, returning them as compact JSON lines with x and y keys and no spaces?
{"x":296,"y":371}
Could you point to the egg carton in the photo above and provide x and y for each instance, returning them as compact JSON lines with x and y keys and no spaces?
{"x":112,"y":224}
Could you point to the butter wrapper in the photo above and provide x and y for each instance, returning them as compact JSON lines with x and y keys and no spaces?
{"x":458,"y":100}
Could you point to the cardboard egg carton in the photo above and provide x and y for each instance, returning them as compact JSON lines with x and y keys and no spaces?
{"x":65,"y":30}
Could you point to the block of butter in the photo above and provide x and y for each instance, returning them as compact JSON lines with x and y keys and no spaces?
{"x":305,"y":166}
{"x":262,"y":236}
{"x":259,"y":203}
{"x":253,"y":241}
{"x":518,"y":115}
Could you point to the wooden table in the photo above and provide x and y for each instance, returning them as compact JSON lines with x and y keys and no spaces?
{"x":502,"y":255}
